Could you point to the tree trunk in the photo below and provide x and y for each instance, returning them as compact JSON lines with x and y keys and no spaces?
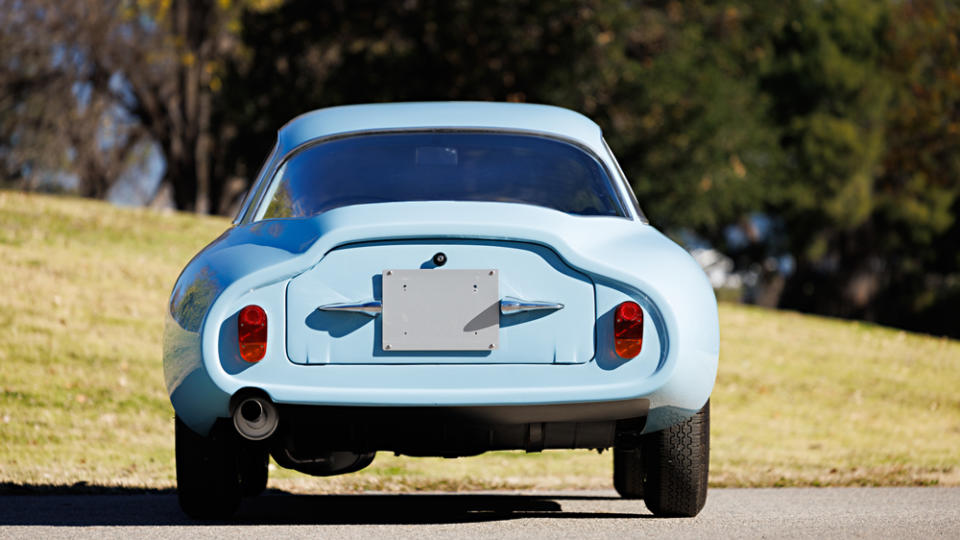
{"x":189,"y":152}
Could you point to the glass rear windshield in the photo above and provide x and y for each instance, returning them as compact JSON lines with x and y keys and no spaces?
{"x":442,"y":166}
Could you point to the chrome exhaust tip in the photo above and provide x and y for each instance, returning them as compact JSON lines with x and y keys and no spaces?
{"x":256,"y":418}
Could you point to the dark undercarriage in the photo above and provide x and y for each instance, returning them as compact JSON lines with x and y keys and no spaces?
{"x":325,"y":440}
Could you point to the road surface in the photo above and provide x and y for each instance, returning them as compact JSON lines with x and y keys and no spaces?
{"x":730,"y":513}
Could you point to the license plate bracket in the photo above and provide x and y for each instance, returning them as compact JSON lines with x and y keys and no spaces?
{"x":440,"y":310}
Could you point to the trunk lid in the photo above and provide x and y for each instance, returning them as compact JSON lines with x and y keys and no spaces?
{"x":354,"y":273}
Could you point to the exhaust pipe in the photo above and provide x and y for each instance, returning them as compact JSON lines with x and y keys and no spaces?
{"x":256,"y":418}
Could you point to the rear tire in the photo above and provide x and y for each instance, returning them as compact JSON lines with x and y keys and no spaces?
{"x":254,"y":470}
{"x":208,"y":473}
{"x":628,"y":473}
{"x":676,"y":463}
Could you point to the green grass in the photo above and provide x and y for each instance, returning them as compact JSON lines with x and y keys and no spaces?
{"x":799,"y":400}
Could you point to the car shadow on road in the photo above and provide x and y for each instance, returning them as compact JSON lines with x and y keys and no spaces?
{"x":82,"y":505}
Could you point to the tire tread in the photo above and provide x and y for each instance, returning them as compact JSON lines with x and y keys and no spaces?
{"x":676,"y":462}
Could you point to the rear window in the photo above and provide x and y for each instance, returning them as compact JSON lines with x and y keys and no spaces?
{"x":442,"y":166}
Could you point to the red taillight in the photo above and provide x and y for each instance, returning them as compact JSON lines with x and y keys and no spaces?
{"x":252,"y":333}
{"x":628,"y":329}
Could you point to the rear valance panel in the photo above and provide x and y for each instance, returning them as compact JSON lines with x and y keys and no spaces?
{"x":354,"y":274}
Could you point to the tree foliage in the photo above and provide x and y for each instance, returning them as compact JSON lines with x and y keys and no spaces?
{"x":866,"y":94}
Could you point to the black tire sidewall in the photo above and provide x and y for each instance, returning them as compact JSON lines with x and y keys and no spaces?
{"x":208,"y":475}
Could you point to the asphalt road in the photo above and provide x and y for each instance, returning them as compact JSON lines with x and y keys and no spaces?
{"x":730,"y":513}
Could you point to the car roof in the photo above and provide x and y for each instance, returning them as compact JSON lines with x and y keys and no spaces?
{"x":546,"y":119}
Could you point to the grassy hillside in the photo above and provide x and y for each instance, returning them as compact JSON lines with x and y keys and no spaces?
{"x":799,"y":400}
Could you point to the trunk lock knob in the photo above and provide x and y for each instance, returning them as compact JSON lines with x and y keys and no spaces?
{"x":440,"y":259}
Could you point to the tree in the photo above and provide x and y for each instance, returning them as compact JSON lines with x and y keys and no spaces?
{"x":137,"y":72}
{"x":54,"y":117}
{"x":687,"y":116}
{"x":867,"y":96}
{"x":918,"y":188}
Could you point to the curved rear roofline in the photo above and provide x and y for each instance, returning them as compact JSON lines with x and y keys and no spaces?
{"x":546,"y":119}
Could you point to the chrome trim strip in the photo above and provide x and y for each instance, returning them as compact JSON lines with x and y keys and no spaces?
{"x":509,"y":305}
{"x":252,"y":200}
{"x":371,"y":308}
{"x":623,"y":187}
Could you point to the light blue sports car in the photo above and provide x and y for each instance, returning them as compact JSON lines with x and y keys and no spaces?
{"x":440,"y":279}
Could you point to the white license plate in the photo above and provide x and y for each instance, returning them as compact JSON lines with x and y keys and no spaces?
{"x":441,"y":310}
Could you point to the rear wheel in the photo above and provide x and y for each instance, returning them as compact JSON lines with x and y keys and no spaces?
{"x":208,"y":473}
{"x":254,"y":470}
{"x":675,"y":463}
{"x":628,"y":473}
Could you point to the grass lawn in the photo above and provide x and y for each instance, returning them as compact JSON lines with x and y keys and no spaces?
{"x":799,"y":400}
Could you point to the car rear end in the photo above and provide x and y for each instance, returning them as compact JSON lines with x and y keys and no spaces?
{"x":553,"y":343}
{"x":439,"y":293}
